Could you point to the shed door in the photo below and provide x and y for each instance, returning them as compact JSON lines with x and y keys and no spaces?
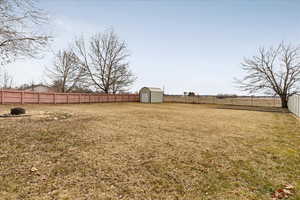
{"x":144,"y":98}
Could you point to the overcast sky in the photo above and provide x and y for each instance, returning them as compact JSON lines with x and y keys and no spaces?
{"x":183,"y":45}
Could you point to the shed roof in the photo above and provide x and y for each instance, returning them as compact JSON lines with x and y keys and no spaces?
{"x":153,"y":89}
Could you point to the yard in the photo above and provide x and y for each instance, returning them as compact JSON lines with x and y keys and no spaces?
{"x":143,"y":151}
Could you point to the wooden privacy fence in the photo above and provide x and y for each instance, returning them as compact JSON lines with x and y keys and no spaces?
{"x":239,"y":100}
{"x":294,"y":104}
{"x":27,"y":97}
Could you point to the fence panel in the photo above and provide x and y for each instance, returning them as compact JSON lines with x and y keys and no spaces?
{"x":294,"y":104}
{"x":28,"y":97}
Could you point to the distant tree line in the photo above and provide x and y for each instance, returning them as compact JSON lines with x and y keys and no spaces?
{"x":190,"y":94}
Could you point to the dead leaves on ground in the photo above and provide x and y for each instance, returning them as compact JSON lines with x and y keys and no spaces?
{"x":33,"y":169}
{"x":283,"y":193}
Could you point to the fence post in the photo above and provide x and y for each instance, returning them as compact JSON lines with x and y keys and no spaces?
{"x":89,"y":98}
{"x":39,"y":98}
{"x":2,"y":96}
{"x":298,"y":106}
{"x":22,"y":97}
{"x":54,"y":98}
{"x":293,"y":104}
{"x":295,"y":107}
{"x":298,"y":102}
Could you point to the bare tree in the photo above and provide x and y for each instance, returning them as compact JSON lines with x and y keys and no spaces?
{"x":66,"y":73}
{"x":105,"y":60}
{"x":6,"y":80}
{"x":273,"y":71}
{"x":20,"y":21}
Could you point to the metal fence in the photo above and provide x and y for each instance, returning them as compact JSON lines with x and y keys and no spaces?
{"x":27,"y":97}
{"x":267,"y":101}
{"x":294,"y":104}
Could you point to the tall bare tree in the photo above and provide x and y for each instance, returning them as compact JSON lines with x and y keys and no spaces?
{"x":273,"y":71}
{"x":20,"y":25}
{"x":66,"y":73}
{"x":105,"y":60}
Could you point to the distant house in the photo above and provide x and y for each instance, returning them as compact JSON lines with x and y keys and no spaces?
{"x":39,"y":88}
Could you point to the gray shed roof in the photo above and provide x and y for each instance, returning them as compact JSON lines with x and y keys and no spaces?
{"x":153,"y":89}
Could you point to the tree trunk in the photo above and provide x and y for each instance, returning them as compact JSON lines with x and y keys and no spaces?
{"x":284,"y":101}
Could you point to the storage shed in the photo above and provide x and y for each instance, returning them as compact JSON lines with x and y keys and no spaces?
{"x":151,"y":95}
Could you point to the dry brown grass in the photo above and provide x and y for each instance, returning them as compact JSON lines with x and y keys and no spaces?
{"x":140,"y":151}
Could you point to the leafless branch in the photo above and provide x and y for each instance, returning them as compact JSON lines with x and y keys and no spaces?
{"x":20,"y":30}
{"x":105,"y":60}
{"x":66,"y":72}
{"x":273,"y":70}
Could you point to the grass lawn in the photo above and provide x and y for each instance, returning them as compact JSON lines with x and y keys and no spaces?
{"x":141,"y":151}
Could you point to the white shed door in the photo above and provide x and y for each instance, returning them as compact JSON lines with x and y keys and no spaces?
{"x":145,"y":98}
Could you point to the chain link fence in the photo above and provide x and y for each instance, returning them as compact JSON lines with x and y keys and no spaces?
{"x":266,"y":101}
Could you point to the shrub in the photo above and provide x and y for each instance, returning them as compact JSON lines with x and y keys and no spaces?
{"x":17,"y":111}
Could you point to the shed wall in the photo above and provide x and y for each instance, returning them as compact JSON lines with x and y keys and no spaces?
{"x":156,"y":97}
